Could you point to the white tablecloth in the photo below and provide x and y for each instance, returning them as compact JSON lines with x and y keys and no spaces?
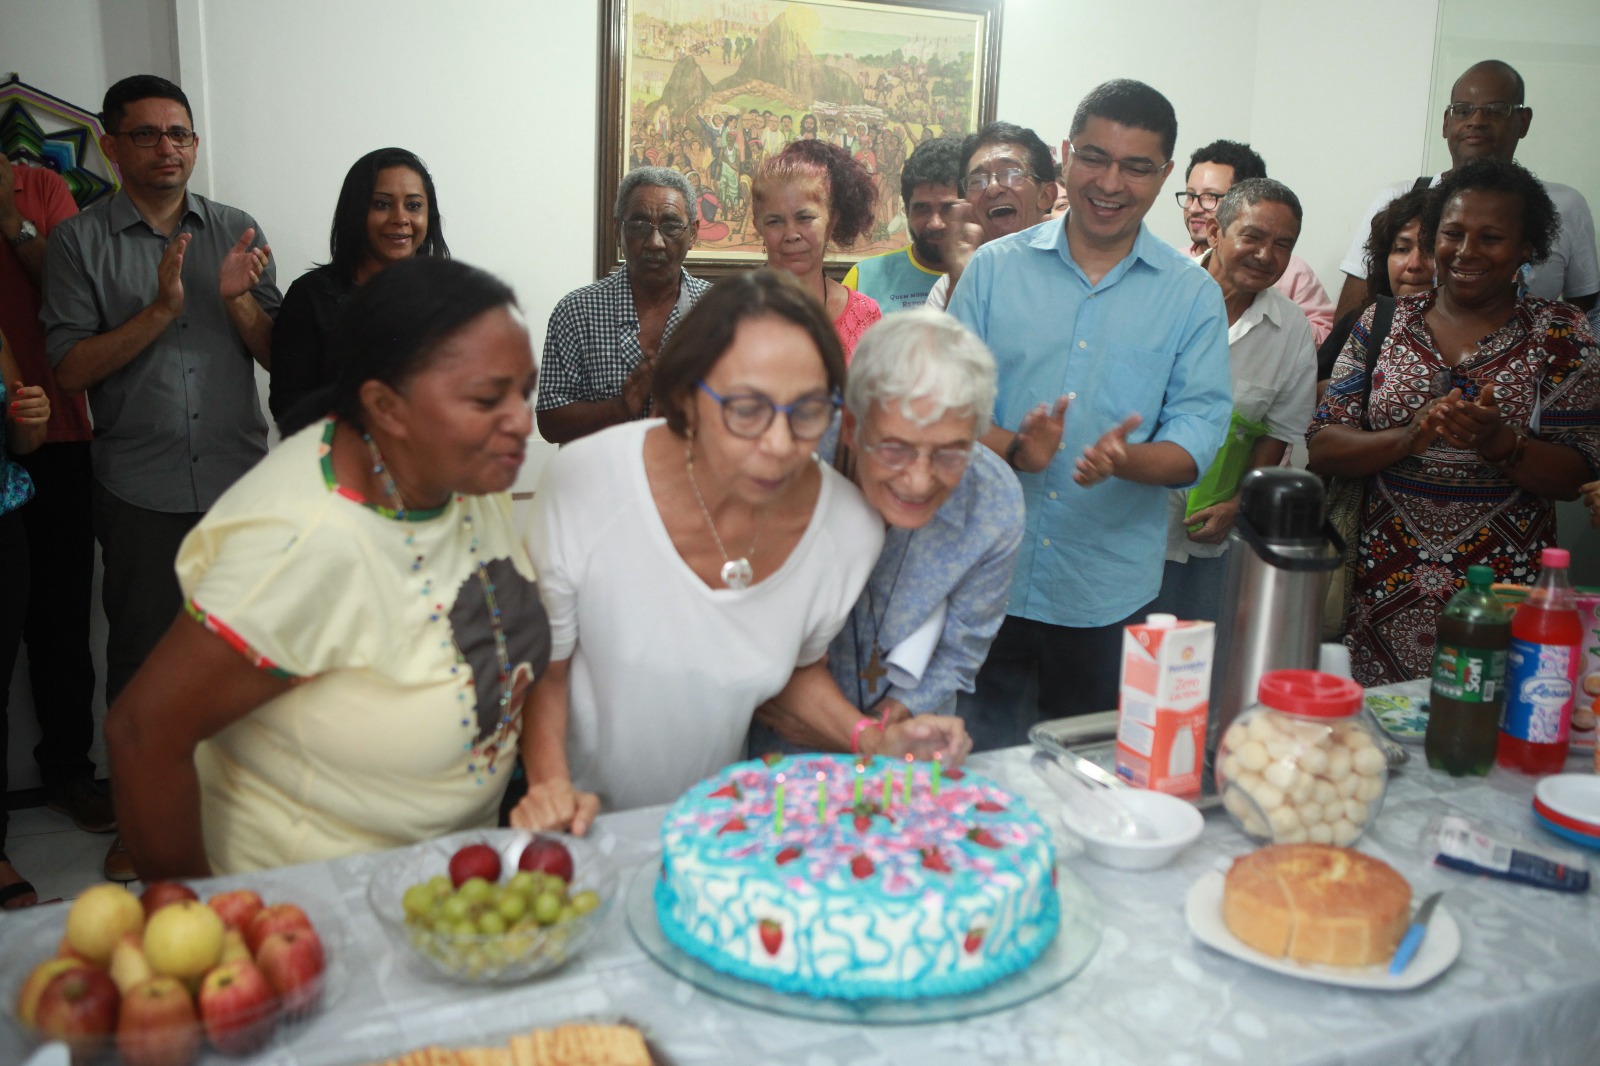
{"x":1526,"y":988}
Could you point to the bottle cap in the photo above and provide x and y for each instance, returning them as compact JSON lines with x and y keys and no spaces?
{"x":1480,"y":576}
{"x":1161,"y":621}
{"x":1558,"y":558}
{"x":1309,"y":693}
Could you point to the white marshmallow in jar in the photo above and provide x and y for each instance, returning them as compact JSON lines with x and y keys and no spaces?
{"x":1300,"y":766}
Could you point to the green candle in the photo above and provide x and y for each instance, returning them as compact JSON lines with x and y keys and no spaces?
{"x":937,"y":756}
{"x":777,"y":807}
{"x":906,"y":795}
{"x":888,"y":788}
{"x":822,"y":797}
{"x":857,"y":800}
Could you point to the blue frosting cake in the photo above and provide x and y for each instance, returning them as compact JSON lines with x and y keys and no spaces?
{"x":907,"y":883}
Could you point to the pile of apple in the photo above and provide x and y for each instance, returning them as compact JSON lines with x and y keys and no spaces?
{"x":473,"y":923}
{"x":158,"y":972}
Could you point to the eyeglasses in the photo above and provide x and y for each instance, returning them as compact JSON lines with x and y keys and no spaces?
{"x":749,"y":416}
{"x":639,"y":229}
{"x":1494,"y":111}
{"x":897,"y":455}
{"x":1132,"y":169}
{"x":1208,"y":201}
{"x":1010,"y":177}
{"x":149,"y":136}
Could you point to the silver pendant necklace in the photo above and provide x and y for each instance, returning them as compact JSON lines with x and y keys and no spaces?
{"x":736,"y":573}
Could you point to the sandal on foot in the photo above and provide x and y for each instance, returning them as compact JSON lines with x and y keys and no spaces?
{"x":13,"y":891}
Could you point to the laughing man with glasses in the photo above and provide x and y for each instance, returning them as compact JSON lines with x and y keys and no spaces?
{"x":1487,"y":116}
{"x":1126,"y":341}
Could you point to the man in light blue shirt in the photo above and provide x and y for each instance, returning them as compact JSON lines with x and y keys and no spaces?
{"x":1114,"y":386}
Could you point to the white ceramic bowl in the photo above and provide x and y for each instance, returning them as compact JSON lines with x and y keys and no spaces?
{"x":1174,"y":824}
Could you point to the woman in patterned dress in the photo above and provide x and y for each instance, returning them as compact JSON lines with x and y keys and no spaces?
{"x":1485,"y":407}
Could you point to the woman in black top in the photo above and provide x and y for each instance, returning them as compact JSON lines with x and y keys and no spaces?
{"x":387,"y":211}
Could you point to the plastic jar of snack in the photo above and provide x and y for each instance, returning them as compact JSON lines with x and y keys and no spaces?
{"x":1301,"y":766}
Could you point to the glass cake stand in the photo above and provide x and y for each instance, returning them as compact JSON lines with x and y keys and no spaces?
{"x":1077,"y":939}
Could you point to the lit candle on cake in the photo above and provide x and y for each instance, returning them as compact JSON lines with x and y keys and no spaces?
{"x":857,"y":800}
{"x":822,"y":797}
{"x":938,"y":757}
{"x":777,"y":807}
{"x":906,"y":795}
{"x":888,"y":788}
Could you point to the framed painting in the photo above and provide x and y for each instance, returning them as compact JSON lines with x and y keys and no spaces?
{"x":712,"y":87}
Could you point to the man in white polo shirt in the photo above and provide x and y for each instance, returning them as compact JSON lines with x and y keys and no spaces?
{"x":1273,"y":366}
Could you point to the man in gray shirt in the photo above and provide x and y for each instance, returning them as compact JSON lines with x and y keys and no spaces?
{"x":155,"y":303}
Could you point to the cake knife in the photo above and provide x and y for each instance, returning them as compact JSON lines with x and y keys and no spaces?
{"x":1413,"y":938}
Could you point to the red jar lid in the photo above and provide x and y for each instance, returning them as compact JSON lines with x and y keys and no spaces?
{"x":1309,"y":693}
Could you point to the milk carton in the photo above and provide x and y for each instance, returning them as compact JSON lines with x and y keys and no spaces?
{"x":1166,"y":687}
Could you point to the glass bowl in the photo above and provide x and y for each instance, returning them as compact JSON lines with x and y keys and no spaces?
{"x":525,"y":949}
{"x":26,"y":942}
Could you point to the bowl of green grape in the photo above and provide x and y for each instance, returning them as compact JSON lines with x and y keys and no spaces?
{"x":493,"y":906}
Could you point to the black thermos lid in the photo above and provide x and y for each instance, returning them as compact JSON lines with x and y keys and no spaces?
{"x":1282,"y":503}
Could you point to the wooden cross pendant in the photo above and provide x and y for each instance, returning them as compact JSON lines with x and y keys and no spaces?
{"x":874,"y":671}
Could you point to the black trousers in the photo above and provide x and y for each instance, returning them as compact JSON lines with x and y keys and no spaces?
{"x":139,"y":589}
{"x":56,"y":628}
{"x":1037,"y":671}
{"x":13,"y":593}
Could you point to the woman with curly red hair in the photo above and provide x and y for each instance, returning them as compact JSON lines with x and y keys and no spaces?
{"x":809,"y":194}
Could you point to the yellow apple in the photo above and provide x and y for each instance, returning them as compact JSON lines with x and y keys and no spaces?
{"x":234,"y":947}
{"x":98,"y":919}
{"x":183,"y":939}
{"x":129,"y":967}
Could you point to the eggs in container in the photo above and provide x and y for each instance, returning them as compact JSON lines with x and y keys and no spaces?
{"x":1300,"y":767}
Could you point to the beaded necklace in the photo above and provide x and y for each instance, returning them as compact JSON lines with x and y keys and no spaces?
{"x":491,"y":752}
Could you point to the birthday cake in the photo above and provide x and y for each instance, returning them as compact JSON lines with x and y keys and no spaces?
{"x":902,"y":883}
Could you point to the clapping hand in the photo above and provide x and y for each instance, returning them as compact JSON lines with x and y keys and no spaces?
{"x":1428,"y":425}
{"x":1101,"y":459}
{"x":962,"y":236}
{"x":29,"y":405}
{"x":169,"y":275}
{"x":1470,"y":425}
{"x":555,"y":806}
{"x":636,"y":389}
{"x":243,"y":266}
{"x":1591,"y":500}
{"x":1040,"y":435}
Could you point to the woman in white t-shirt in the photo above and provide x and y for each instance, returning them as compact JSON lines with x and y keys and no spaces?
{"x":361,"y":622}
{"x":689,"y":565}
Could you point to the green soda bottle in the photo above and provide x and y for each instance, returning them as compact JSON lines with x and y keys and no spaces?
{"x":1469,"y":678}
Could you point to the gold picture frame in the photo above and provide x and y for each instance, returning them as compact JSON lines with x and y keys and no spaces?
{"x":876,"y":76}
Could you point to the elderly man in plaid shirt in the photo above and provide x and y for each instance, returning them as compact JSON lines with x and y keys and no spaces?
{"x":601,"y":345}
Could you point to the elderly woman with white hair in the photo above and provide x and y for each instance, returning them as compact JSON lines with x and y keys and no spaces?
{"x":917,"y":400}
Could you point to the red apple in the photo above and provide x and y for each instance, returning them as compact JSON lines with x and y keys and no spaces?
{"x":474,"y":860}
{"x":78,"y":1006}
{"x":236,"y":908}
{"x":547,"y":855}
{"x":159,"y":1026}
{"x":41,"y":975}
{"x":274,"y":919}
{"x":293,"y":964}
{"x":237,"y":1007}
{"x":158,"y":894}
